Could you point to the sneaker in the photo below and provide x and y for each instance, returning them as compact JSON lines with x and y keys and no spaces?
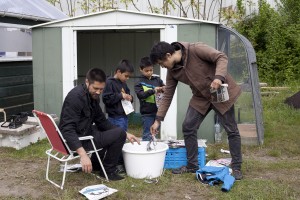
{"x":120,"y":169}
{"x":113,"y":176}
{"x":237,"y":174}
{"x":184,"y":169}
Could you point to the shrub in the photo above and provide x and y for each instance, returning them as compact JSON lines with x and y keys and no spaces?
{"x":275,"y":35}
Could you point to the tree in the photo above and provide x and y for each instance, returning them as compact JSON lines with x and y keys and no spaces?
{"x":198,"y":9}
{"x":275,"y":36}
{"x":70,"y":6}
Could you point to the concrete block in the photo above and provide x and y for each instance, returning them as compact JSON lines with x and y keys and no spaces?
{"x":22,"y":136}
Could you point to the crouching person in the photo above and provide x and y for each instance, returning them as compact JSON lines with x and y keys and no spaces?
{"x":202,"y":68}
{"x":82,"y":116}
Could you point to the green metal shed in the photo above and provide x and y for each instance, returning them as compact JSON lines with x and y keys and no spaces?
{"x":64,"y":50}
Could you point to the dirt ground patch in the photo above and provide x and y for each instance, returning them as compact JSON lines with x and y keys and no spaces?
{"x":21,"y":178}
{"x":25,"y":179}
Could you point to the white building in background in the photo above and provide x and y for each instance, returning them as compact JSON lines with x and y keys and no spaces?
{"x":209,"y":9}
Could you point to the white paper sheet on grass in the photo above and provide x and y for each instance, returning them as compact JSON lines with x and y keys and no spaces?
{"x":71,"y":168}
{"x":95,"y":192}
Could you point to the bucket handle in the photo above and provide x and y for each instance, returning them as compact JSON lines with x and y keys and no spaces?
{"x":154,"y":141}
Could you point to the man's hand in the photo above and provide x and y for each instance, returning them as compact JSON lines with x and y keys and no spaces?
{"x":85,"y":160}
{"x":132,"y":138}
{"x":154,"y":127}
{"x":216,"y":84}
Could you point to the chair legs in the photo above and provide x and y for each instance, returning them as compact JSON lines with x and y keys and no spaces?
{"x":61,"y":186}
{"x":100,"y":162}
{"x":64,"y":174}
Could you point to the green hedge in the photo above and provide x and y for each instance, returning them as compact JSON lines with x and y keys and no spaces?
{"x":275,"y":35}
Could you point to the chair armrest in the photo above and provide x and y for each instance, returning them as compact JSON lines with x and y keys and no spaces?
{"x":86,"y":137}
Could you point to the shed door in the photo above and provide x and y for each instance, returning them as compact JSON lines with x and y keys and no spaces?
{"x":168,"y":127}
{"x":69,"y":59}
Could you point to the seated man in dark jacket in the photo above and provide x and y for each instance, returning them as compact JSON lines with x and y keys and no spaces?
{"x":80,"y":111}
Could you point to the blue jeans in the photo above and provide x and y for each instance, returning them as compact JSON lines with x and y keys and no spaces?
{"x":147,"y":123}
{"x":121,"y":122}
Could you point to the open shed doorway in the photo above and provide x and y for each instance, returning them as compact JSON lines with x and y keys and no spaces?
{"x":105,"y":48}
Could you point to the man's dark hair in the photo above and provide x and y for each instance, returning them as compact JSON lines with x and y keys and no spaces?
{"x":159,"y":51}
{"x":96,"y":74}
{"x":145,"y":62}
{"x":125,"y":66}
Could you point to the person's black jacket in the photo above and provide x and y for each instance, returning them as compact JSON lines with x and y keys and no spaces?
{"x":78,"y":113}
{"x":144,"y":89}
{"x":112,"y":96}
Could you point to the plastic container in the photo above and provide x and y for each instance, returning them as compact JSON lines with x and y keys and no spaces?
{"x":218,"y":133}
{"x":176,"y":158}
{"x":220,"y":94}
{"x":140,"y":163}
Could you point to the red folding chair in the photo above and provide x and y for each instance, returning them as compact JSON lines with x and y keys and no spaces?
{"x":60,"y":149}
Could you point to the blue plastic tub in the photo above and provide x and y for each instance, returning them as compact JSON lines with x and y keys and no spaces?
{"x":176,"y":157}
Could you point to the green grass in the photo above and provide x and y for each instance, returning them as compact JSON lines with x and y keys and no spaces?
{"x":281,"y":124}
{"x":271,"y":170}
{"x":36,"y":150}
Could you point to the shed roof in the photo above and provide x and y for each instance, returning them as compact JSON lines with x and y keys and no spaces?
{"x":119,"y":17}
{"x":30,"y":9}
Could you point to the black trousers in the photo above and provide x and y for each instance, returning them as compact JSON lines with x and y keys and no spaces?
{"x":192,"y":123}
{"x":112,"y":142}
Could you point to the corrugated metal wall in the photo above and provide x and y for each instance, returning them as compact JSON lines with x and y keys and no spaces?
{"x":47,"y":69}
{"x":16,"y":89}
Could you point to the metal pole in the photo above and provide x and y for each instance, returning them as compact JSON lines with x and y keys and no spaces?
{"x":220,"y":13}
